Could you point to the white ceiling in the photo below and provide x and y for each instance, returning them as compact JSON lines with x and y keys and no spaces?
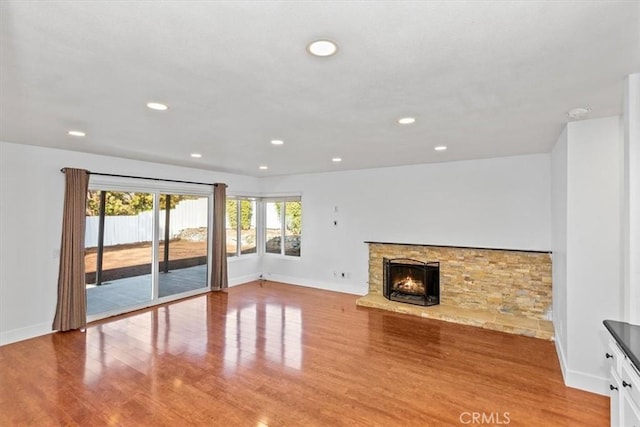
{"x":487,"y":79}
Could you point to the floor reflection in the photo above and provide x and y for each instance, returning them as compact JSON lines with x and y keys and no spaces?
{"x":208,"y":331}
{"x":278,"y":341}
{"x":283,"y":335}
{"x":136,"y":340}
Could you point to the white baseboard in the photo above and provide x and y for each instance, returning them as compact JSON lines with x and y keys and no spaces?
{"x":344,"y":287}
{"x":587,"y":382}
{"x":25,"y":333}
{"x":577,"y":379}
{"x":561,"y":357}
{"x":240,"y":280}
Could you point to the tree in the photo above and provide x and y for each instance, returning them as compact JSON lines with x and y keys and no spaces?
{"x":128,"y":203}
{"x":246,"y":213}
{"x":292,"y":215}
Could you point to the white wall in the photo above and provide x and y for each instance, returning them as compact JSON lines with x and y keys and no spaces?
{"x":587,"y":276}
{"x":495,"y":203}
{"x":31,"y":192}
{"x":631,"y":205}
{"x":559,"y":243}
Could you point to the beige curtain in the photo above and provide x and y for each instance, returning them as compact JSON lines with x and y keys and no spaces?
{"x":71,"y":311}
{"x":219,"y":278}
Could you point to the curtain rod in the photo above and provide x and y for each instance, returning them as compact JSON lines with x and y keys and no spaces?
{"x":149,"y":178}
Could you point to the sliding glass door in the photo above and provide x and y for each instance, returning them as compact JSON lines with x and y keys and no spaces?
{"x":183,"y":247}
{"x":144,"y":247}
{"x":118,"y":250}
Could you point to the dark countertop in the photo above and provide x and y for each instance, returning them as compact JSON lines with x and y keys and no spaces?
{"x":628,"y":338}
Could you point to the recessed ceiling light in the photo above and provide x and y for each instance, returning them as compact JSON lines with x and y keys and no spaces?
{"x":196,"y":155}
{"x":263,"y":167}
{"x":578,"y":113}
{"x":336,"y":159}
{"x":76,"y":133}
{"x":407,"y":120}
{"x":277,"y":141}
{"x":322,"y":48}
{"x":157,"y":106}
{"x":440,"y":148}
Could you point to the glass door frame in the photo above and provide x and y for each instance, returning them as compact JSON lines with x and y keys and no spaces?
{"x":156,"y":188}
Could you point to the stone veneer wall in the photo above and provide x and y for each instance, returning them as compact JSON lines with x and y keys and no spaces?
{"x":494,"y":280}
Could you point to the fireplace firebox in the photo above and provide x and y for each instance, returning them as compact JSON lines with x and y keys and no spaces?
{"x":411,"y":281}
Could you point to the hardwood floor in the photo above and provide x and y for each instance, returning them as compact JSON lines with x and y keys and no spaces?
{"x":275,"y":354}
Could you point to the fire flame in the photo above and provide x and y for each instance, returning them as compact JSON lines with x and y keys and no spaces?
{"x":408,"y":284}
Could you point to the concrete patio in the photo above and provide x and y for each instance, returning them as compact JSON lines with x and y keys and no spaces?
{"x":132,"y":291}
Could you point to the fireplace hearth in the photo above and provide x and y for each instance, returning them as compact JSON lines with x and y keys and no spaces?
{"x":504,"y":290}
{"x":411,"y":281}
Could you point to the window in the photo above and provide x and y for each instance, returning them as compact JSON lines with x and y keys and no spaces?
{"x":283,"y":226}
{"x":241,"y":226}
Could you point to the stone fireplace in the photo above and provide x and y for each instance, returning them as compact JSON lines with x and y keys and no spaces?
{"x":500,"y":289}
{"x":411,"y":281}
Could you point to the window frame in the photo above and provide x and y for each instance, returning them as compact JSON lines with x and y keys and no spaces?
{"x":283,"y":200}
{"x":239,"y":198}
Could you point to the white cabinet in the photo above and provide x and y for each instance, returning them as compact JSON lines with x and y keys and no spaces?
{"x":630,"y":414}
{"x":614,"y":403}
{"x":624,"y":388}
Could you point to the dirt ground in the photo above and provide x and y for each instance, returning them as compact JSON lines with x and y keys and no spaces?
{"x":133,"y":254}
{"x":129,"y":255}
{"x":140,"y":253}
